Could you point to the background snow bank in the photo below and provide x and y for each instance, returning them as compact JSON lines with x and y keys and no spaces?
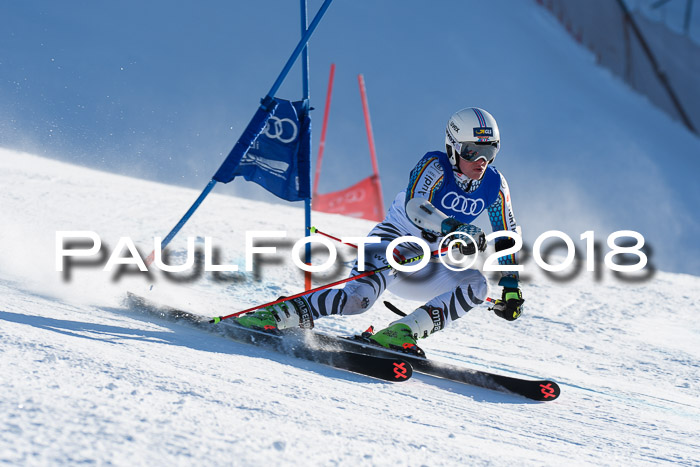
{"x":165,"y":93}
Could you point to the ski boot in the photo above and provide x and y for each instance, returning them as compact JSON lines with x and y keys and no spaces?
{"x":402,"y":335}
{"x":290,"y":314}
{"x":397,"y":336}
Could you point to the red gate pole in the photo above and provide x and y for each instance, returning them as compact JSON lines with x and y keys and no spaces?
{"x":372,"y":151}
{"x":322,"y":144}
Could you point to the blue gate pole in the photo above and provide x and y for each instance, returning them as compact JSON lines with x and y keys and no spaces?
{"x":264,"y":105}
{"x":182,"y":221}
{"x":300,"y":47}
{"x":305,"y":97}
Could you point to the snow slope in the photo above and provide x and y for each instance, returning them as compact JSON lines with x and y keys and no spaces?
{"x":85,"y":380}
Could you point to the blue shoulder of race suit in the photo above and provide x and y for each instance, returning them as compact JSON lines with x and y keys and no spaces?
{"x":425,"y":178}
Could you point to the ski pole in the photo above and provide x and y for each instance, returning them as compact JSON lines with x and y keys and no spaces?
{"x":306,"y":292}
{"x":314,"y":230}
{"x":396,"y":310}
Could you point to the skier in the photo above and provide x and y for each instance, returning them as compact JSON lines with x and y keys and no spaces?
{"x":446,"y":191}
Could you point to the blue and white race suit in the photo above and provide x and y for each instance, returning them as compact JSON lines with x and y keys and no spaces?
{"x":451,"y":293}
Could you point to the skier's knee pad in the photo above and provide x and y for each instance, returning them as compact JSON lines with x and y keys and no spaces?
{"x":475,"y":288}
{"x":360,"y":298}
{"x":356,"y":305}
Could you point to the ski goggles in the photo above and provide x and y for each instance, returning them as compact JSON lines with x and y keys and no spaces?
{"x":473,"y":151}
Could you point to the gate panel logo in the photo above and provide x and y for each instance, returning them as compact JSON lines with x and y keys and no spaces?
{"x":282,"y":129}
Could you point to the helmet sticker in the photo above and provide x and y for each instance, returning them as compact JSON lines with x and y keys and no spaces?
{"x":483,"y":132}
{"x":453,"y":141}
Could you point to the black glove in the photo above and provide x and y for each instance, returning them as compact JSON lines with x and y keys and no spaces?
{"x":467,"y":246}
{"x":510,"y":306}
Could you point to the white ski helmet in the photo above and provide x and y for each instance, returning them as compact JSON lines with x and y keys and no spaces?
{"x":472,"y":134}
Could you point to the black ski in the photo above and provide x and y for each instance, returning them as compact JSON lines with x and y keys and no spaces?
{"x":387,"y":367}
{"x":539,"y":390}
{"x":361,"y":355}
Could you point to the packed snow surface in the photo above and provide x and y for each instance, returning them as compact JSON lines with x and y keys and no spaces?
{"x":84,"y":379}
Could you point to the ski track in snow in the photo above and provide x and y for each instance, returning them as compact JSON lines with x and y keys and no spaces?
{"x":86,"y":380}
